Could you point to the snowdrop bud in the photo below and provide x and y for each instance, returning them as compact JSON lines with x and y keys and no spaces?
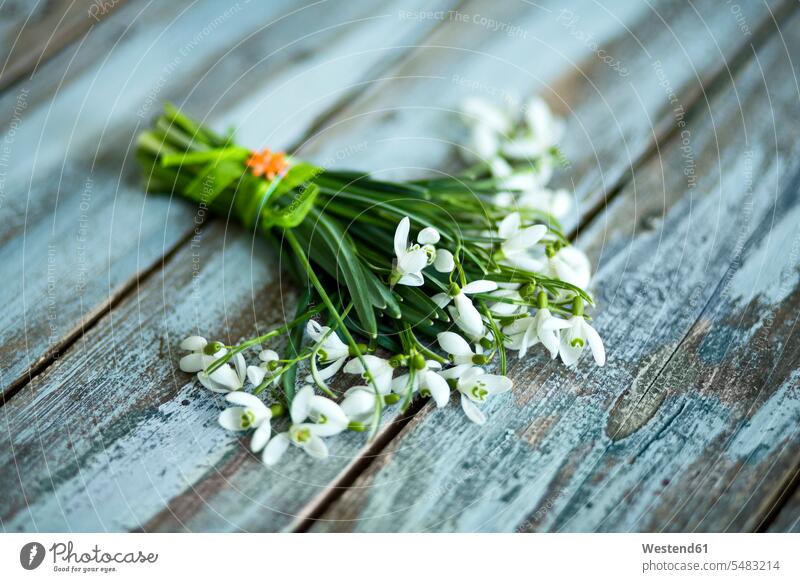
{"x":391,"y":399}
{"x":480,"y":359}
{"x":397,"y":360}
{"x":356,"y":426}
{"x":277,"y":409}
{"x":428,"y":236}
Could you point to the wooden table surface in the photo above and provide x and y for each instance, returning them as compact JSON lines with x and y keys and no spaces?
{"x":683,"y":136}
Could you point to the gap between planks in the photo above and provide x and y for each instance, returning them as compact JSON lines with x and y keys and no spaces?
{"x":664,"y":132}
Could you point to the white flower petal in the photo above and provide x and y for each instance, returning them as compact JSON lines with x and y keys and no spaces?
{"x":275,"y":449}
{"x":401,"y":237}
{"x":261,"y":436}
{"x":248,"y":401}
{"x":330,"y":371}
{"x":231,"y":418}
{"x":472,"y":411}
{"x":496,"y":384}
{"x":479,"y":286}
{"x":256,"y":375}
{"x":569,"y":353}
{"x":454,"y":344}
{"x":428,"y":236}
{"x":444,"y":261}
{"x":241,"y":367}
{"x":481,"y":113}
{"x":442,"y":300}
{"x":301,"y":404}
{"x":268,"y":355}
{"x":413,"y":261}
{"x":509,"y":226}
{"x":596,"y":344}
{"x":469,"y":318}
{"x":192,"y":363}
{"x":437,"y":386}
{"x":359,"y":404}
{"x":194,"y":343}
{"x":411,"y":280}
{"x":525,"y":239}
{"x":315,"y":331}
{"x":335,"y":418}
{"x":316,"y":447}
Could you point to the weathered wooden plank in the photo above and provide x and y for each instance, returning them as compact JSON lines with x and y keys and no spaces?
{"x":75,"y":228}
{"x":32,"y":32}
{"x":692,"y":425}
{"x":612,"y":97}
{"x":117,"y":474}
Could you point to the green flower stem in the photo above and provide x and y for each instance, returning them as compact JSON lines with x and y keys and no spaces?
{"x":301,"y":255}
{"x":262,"y":338}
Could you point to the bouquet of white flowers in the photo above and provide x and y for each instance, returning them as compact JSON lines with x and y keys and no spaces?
{"x":420,"y":288}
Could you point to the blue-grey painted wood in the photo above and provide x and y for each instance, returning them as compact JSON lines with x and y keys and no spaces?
{"x":32,"y":32}
{"x":107,"y":470}
{"x":692,"y":425}
{"x":75,"y":227}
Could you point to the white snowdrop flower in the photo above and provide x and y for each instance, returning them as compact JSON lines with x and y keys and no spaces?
{"x":380,"y":369}
{"x":330,"y":349}
{"x":464,"y":313}
{"x":359,"y":403}
{"x":444,"y":262}
{"x":410,"y":259}
{"x":249,"y":412}
{"x":459,"y":350}
{"x":575,"y":337}
{"x":571,"y":265}
{"x":327,"y":419}
{"x":426,"y":381}
{"x":476,"y":386}
{"x":267,"y":368}
{"x":526,"y":332}
{"x":226,"y":378}
{"x":518,"y":241}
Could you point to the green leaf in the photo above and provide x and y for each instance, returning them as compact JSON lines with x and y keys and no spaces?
{"x":212,"y":180}
{"x":351,"y":269}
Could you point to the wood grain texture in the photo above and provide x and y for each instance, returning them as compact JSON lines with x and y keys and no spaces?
{"x":608,"y":87}
{"x":76,"y":229}
{"x":32,"y":32}
{"x":195,"y":488}
{"x":692,"y":425}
